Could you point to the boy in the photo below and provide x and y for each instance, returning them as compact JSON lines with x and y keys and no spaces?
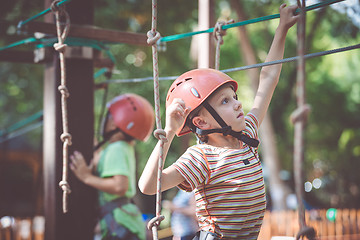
{"x":224,"y":170}
{"x":130,"y":117}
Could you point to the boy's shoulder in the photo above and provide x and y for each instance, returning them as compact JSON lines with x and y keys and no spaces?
{"x":206,"y":149}
{"x":251,"y":119}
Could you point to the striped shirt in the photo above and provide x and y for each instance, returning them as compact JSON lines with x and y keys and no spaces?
{"x":228,"y":186}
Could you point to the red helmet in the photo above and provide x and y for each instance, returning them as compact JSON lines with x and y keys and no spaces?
{"x":194,"y":87}
{"x":133,"y":115}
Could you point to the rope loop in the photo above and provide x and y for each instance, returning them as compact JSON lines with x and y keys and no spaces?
{"x":64,"y":91}
{"x":153,"y":37}
{"x":60,"y":11}
{"x":65,"y":186}
{"x":54,"y":7}
{"x":300,"y":114}
{"x":219,"y":32}
{"x":218,"y":35}
{"x":306,"y":231}
{"x":155,"y":222}
{"x":160,"y":134}
{"x":66,"y":137}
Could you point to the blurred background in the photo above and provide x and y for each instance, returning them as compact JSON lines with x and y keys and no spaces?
{"x":332,"y":133}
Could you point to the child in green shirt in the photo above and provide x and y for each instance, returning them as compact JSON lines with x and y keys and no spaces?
{"x":130,"y":117}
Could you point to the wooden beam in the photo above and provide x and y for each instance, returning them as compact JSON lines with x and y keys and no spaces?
{"x":91,"y":32}
{"x":206,"y":54}
{"x":103,"y":62}
{"x":17,"y":56}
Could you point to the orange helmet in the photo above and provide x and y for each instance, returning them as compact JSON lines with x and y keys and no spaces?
{"x":133,"y":115}
{"x":194,"y":87}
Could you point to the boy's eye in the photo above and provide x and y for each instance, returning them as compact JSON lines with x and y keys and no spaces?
{"x":225,"y":100}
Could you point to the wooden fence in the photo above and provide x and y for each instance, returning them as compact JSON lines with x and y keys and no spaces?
{"x":22,"y":228}
{"x":278,"y":225}
{"x":345,"y":225}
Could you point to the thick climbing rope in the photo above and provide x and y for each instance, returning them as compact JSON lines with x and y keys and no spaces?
{"x":19,"y":43}
{"x":219,"y":32}
{"x":21,"y":127}
{"x":22,"y":23}
{"x":257,"y":65}
{"x":242,"y":23}
{"x":65,"y":136}
{"x":35,"y":117}
{"x":153,"y":37}
{"x":292,"y":59}
{"x":299,"y":122}
{"x":70,"y":41}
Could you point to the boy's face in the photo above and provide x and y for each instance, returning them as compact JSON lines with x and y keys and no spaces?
{"x":225,"y":103}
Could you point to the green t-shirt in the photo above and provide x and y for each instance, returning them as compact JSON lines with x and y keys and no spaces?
{"x":118,"y":158}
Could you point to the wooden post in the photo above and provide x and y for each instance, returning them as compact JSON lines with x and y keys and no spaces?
{"x":206,"y":56}
{"x":299,"y":126}
{"x":79,"y":222}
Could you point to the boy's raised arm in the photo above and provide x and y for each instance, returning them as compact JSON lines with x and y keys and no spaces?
{"x":269,"y":75}
{"x":176,"y":113}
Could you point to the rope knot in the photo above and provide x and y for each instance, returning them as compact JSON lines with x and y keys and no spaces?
{"x":300,"y":113}
{"x":155,"y":222}
{"x":60,"y":47}
{"x":63,"y":90}
{"x":219,"y":32}
{"x":54,"y":7}
{"x":153,"y":37}
{"x":66,"y":137}
{"x":65,"y":186}
{"x":160,"y":134}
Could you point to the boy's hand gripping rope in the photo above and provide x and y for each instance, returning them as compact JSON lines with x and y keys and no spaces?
{"x":219,"y":32}
{"x":65,"y":136}
{"x":153,"y":37}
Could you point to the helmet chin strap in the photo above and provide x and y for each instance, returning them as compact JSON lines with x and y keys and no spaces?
{"x":225,"y":129}
{"x":106,"y":137}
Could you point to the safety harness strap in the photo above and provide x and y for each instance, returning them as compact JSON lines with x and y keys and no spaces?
{"x":110,"y":206}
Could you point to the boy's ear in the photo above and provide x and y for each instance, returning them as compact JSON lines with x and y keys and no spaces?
{"x":199,"y":122}
{"x":111,"y":124}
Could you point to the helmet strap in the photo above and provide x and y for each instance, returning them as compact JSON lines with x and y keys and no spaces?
{"x":225,"y":129}
{"x":215,"y":115}
{"x":106,"y":137}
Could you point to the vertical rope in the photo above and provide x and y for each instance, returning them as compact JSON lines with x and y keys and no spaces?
{"x":218,"y":35}
{"x":299,"y":125}
{"x":299,"y":122}
{"x":65,"y":136}
{"x":153,"y":37}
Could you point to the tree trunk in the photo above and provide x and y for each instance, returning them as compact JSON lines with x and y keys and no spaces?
{"x":277,"y":188}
